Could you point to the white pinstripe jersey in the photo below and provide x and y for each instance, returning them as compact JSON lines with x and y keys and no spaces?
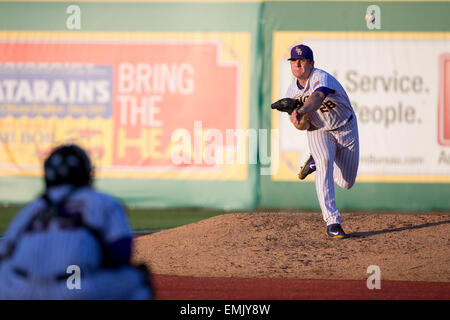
{"x":336,"y":109}
{"x":48,"y":252}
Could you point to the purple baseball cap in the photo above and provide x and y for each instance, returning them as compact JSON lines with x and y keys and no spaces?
{"x":301,"y":52}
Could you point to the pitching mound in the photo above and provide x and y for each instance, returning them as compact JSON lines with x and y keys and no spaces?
{"x":293,"y":245}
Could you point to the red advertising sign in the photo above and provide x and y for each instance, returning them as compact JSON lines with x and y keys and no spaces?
{"x":147,"y":90}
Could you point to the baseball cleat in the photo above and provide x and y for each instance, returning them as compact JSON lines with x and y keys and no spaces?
{"x":335,"y":231}
{"x":307,"y":168}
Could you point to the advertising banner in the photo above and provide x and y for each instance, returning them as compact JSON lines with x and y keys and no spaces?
{"x":399,"y":87}
{"x":145,"y":105}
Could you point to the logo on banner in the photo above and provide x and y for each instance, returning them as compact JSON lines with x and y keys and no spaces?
{"x":55,"y":89}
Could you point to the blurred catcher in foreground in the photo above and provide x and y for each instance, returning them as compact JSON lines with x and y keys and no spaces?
{"x":70,"y":227}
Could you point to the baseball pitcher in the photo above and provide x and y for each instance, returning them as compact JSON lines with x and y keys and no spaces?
{"x":321,"y":106}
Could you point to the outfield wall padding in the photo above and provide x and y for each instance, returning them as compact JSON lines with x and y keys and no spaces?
{"x":172,"y":99}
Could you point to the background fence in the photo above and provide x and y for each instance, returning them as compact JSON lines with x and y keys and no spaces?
{"x":172,"y":99}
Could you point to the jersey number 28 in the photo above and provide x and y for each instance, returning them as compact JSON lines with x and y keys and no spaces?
{"x":327,"y":106}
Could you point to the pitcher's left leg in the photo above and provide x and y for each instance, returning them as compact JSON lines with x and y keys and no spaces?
{"x":323,"y":149}
{"x":346,"y":161}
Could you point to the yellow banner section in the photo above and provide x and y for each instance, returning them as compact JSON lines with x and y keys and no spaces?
{"x":27,"y":141}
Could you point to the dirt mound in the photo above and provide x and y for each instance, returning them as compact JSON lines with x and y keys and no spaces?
{"x":293,"y":245}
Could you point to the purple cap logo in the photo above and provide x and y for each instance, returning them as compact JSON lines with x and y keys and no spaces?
{"x":301,"y":52}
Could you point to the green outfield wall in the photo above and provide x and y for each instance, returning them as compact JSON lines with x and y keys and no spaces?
{"x":172,"y":99}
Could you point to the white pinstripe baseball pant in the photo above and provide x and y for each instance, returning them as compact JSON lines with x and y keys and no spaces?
{"x":336,"y":154}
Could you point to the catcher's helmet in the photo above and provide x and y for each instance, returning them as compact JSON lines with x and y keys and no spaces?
{"x":68,"y":164}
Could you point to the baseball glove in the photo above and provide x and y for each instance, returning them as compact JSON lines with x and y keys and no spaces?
{"x":287,"y":105}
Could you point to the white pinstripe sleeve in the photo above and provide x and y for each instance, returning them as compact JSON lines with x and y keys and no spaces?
{"x":321,"y":79}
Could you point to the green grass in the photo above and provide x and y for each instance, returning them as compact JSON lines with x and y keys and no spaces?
{"x":153,"y":219}
{"x":140,"y":219}
{"x":6,"y":215}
